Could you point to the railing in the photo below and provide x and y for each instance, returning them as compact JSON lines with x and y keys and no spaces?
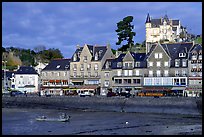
{"x":134,"y":75}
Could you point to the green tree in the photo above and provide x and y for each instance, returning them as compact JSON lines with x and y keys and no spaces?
{"x":125,"y":32}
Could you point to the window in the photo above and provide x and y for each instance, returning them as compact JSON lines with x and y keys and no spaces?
{"x":58,"y":66}
{"x":137,"y":64}
{"x":119,"y":73}
{"x":176,"y":73}
{"x":184,"y":72}
{"x":107,"y":74}
{"x":130,"y":72}
{"x":106,"y":83}
{"x":96,"y":67}
{"x":82,"y":66}
{"x":21,"y":76}
{"x":177,"y":63}
{"x":166,"y":64}
{"x":150,"y":64}
{"x":74,"y":74}
{"x":156,"y":55}
{"x":119,"y":64}
{"x":137,"y":72}
{"x":96,"y":74}
{"x":118,"y":81}
{"x":88,"y":66}
{"x":65,"y":73}
{"x":89,"y":74}
{"x":182,"y":54}
{"x":75,"y":66}
{"x":82,"y":74}
{"x":127,"y":81}
{"x":136,"y":81}
{"x":183,"y":81}
{"x":85,"y":58}
{"x":130,"y":65}
{"x":58,"y":74}
{"x":176,"y":81}
{"x":158,"y":64}
{"x":160,"y":55}
{"x":126,"y":65}
{"x":126,"y":72}
{"x":158,"y":73}
{"x":53,"y":74}
{"x":166,"y":72}
{"x":150,"y":73}
{"x":184,"y":63}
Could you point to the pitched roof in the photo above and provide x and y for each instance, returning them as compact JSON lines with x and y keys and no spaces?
{"x":26,"y":70}
{"x":175,"y":22}
{"x":100,"y":50}
{"x":174,"y":49}
{"x":148,"y":19}
{"x":58,"y":64}
{"x":197,"y":48}
{"x":156,"y":22}
{"x":138,"y":57}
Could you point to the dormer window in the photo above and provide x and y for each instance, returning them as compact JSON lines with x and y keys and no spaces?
{"x":137,"y":64}
{"x":66,"y":67}
{"x":119,"y":64}
{"x":79,"y":53}
{"x":75,"y":57}
{"x":58,"y":66}
{"x":100,"y":52}
{"x":182,"y":54}
{"x":96,"y":56}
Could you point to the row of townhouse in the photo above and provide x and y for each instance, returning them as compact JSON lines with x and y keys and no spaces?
{"x":166,"y":67}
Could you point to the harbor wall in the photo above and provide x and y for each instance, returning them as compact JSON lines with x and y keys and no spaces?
{"x":170,"y":105}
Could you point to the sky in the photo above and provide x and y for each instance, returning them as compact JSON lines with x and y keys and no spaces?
{"x":64,"y":25}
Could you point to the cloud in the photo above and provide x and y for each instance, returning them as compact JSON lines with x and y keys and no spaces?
{"x":65,"y":24}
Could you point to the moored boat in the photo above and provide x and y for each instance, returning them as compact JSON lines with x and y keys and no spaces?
{"x":61,"y":119}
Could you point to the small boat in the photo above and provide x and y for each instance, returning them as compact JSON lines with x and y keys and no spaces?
{"x":61,"y":119}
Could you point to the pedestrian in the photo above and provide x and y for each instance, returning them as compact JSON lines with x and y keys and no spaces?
{"x":25,"y":93}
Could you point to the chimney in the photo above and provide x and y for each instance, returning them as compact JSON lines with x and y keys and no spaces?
{"x":78,"y":46}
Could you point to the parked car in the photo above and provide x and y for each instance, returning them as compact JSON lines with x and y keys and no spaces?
{"x":16,"y":92}
{"x":126,"y":94}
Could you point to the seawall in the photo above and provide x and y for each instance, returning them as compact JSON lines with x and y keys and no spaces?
{"x":170,"y":105}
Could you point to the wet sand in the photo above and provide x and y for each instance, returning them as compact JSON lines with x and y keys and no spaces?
{"x":21,"y":121}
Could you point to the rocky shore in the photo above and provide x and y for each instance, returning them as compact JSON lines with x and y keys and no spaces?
{"x":169,"y":105}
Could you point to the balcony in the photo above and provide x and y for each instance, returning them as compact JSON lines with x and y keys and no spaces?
{"x":134,"y":75}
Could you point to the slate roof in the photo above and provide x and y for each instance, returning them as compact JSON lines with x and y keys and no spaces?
{"x":175,"y":22}
{"x":26,"y":70}
{"x":138,"y":57}
{"x":197,"y":48}
{"x":93,"y":50}
{"x":156,"y":22}
{"x":173,"y":51}
{"x":58,"y":64}
{"x":148,"y":19}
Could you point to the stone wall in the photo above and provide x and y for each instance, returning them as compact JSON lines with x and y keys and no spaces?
{"x":175,"y":105}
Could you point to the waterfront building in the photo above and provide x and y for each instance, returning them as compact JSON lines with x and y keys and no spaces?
{"x":195,"y":71}
{"x":167,"y":66}
{"x":163,"y":29}
{"x":86,"y":65}
{"x":26,"y":79}
{"x":127,"y":72}
{"x":40,"y":67}
{"x":55,"y":77}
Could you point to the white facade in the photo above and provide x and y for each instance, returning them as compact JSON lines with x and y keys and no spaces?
{"x":22,"y":80}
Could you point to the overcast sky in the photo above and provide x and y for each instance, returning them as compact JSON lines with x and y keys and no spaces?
{"x":64,"y":25}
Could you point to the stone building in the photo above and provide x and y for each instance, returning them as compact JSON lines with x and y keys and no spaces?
{"x":195,"y":71}
{"x":86,"y":64}
{"x":163,"y":29}
{"x":55,"y":77}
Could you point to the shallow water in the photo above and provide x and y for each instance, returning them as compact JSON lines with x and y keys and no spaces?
{"x":21,"y":121}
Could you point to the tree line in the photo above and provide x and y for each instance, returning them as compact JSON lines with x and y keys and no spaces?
{"x":27,"y":57}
